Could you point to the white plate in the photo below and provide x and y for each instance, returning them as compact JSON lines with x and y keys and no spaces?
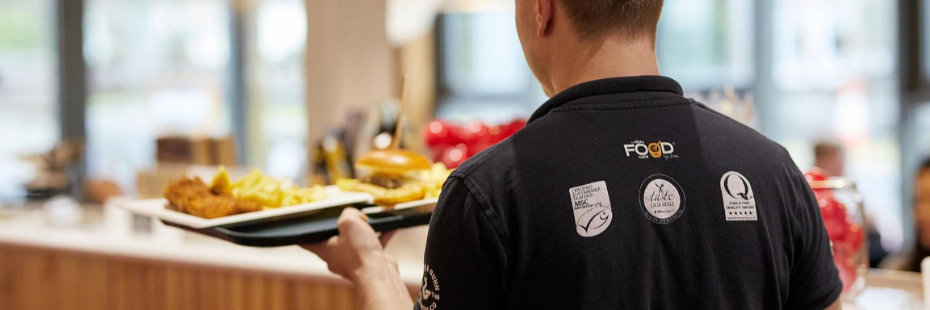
{"x":156,"y":208}
{"x":425,"y":203}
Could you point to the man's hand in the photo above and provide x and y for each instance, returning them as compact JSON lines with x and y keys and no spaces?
{"x":358,"y":255}
{"x":357,"y":248}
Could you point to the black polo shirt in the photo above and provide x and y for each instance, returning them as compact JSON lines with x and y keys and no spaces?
{"x":622,"y":194}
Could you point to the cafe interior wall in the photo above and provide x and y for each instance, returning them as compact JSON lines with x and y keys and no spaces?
{"x":354,"y":62}
{"x":349,"y":64}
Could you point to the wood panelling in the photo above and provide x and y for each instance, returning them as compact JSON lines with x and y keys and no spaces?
{"x":35,"y":278}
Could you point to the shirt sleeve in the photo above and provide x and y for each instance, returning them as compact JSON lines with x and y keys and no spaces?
{"x":814,"y":281}
{"x":464,"y":257}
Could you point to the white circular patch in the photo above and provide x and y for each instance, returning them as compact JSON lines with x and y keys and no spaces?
{"x":662,"y":199}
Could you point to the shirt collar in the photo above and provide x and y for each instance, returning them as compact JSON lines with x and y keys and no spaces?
{"x":609,"y":86}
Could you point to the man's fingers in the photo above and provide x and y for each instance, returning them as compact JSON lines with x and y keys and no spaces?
{"x":321,"y":249}
{"x":352,"y":218}
{"x":386,"y":237}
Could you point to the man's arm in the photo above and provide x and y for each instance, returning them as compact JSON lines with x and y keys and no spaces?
{"x":358,"y":255}
{"x":465,"y":257}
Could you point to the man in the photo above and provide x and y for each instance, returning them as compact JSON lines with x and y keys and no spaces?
{"x":830,"y":159}
{"x":619,"y":194}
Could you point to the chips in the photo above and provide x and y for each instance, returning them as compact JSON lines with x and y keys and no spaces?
{"x":434,"y":179}
{"x":266,"y":191}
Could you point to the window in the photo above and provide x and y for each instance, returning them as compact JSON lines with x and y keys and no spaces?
{"x":155,"y":68}
{"x":483,"y":74}
{"x":707,"y":44}
{"x":28,"y":87}
{"x":276,"y":87}
{"x":704,"y":44}
{"x":834,"y":78}
{"x":824,"y":44}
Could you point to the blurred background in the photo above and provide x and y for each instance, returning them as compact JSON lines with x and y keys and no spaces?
{"x":106,"y":98}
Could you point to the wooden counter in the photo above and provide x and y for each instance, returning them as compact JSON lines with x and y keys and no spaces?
{"x":49,"y":268}
{"x":36,"y":278}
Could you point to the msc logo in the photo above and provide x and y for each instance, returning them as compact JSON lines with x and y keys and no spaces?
{"x":645,"y":150}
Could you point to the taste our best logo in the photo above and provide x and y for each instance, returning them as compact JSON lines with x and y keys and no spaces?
{"x":644,"y":150}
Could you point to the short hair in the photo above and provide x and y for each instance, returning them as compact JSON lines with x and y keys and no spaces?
{"x":826,"y":148}
{"x":595,"y":18}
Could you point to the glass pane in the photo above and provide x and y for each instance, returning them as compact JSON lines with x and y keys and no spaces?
{"x":484,"y":73}
{"x":483,"y":62}
{"x":155,"y":68}
{"x":706,"y":44}
{"x":822,"y":44}
{"x":920,"y":140}
{"x":276,"y":84}
{"x":833,"y":68}
{"x":28,"y":87}
{"x":925,"y":46}
{"x":482,"y":54}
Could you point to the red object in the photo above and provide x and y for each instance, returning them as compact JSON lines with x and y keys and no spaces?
{"x":476,"y":133}
{"x":515,"y":126}
{"x":816,"y":174}
{"x":440,"y":133}
{"x":446,"y":140}
{"x":834,"y":217}
{"x":845,"y":234}
{"x":453,"y":157}
{"x":498,"y":134}
{"x":847,"y":269}
{"x":854,"y":237}
{"x":851,"y":242}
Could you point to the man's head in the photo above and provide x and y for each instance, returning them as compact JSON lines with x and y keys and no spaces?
{"x":829,"y":157}
{"x":556,"y":31}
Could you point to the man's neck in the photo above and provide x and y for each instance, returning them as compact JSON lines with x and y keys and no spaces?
{"x":607,"y":59}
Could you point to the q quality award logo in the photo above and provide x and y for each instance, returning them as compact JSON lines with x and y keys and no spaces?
{"x":739,"y":202}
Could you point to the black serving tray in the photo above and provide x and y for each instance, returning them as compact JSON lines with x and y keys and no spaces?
{"x":313,"y":228}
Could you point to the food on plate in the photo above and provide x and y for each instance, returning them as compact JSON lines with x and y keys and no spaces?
{"x":225,"y":197}
{"x":266,"y":191}
{"x":434,"y":179}
{"x":193,"y":197}
{"x":396,"y":176}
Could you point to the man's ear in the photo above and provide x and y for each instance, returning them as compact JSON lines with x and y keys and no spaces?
{"x":543,"y":16}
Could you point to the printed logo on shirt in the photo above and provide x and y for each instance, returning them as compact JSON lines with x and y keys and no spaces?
{"x":739,"y":202}
{"x":429,"y":292}
{"x":591,"y":206}
{"x":662,"y":199}
{"x":643,"y":150}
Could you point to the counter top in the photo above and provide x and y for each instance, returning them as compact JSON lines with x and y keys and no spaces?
{"x":113,"y":231}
